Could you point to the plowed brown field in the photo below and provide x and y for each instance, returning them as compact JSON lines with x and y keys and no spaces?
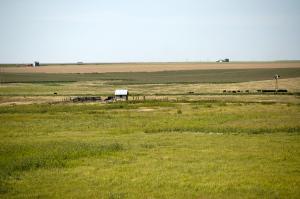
{"x":146,"y":67}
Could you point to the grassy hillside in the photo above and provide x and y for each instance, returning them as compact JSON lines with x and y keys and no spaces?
{"x":150,"y":150}
{"x":189,"y":76}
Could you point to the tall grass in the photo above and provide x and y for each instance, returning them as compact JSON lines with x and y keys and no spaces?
{"x":226,"y":130}
{"x":120,"y":150}
{"x":22,"y":157}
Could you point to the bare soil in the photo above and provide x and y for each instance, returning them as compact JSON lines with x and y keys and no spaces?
{"x":146,"y":67}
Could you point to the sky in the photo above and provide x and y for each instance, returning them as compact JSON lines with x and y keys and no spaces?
{"x":148,"y":30}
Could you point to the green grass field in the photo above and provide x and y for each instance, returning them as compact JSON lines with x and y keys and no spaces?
{"x":189,"y":76}
{"x":199,"y":143}
{"x":204,"y":149}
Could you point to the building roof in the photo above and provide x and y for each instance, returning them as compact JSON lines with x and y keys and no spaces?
{"x":121,"y":92}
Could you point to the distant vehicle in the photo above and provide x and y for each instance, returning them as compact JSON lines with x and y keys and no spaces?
{"x":223,"y":60}
{"x":36,"y":63}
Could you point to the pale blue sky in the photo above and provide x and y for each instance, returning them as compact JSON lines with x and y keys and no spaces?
{"x":148,"y":30}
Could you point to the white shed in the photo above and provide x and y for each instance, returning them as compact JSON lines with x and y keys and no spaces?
{"x":121,"y":94}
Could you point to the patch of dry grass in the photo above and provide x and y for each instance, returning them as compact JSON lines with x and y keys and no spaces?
{"x":27,"y":93}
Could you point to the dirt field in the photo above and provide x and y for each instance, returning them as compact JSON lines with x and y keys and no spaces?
{"x":146,"y":67}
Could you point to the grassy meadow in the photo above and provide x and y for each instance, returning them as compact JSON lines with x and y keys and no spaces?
{"x":28,"y":93}
{"x":188,"y":139}
{"x":152,"y":149}
{"x":105,"y":88}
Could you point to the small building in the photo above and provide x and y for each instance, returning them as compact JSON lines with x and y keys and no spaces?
{"x":121,"y":94}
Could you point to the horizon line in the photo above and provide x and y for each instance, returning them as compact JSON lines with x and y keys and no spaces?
{"x":145,"y":62}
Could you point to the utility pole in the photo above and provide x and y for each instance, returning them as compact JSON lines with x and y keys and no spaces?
{"x":276,"y":77}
